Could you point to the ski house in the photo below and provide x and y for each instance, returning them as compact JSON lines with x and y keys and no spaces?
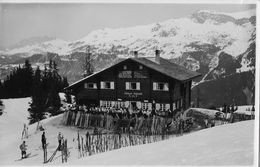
{"x":137,"y":82}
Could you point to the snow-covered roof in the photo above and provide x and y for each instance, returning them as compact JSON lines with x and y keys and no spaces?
{"x":208,"y":112}
{"x":246,"y":110}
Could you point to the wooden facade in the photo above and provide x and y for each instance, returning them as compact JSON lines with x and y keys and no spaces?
{"x":133,"y":83}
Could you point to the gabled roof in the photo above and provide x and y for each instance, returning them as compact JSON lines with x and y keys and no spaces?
{"x":169,"y":69}
{"x":165,"y":67}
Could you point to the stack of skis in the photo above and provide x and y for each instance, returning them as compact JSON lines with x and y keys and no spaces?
{"x":91,"y":144}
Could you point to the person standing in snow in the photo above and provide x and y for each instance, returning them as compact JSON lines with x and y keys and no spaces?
{"x":43,"y":140}
{"x":23,"y":148}
{"x":59,"y":140}
{"x":25,"y":131}
{"x":206,"y":123}
{"x":44,"y":147}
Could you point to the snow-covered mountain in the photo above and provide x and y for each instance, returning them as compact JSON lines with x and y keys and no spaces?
{"x":229,"y":32}
{"x":174,"y":37}
{"x":55,"y":45}
{"x":215,"y":44}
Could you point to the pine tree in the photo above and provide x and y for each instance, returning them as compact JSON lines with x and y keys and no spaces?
{"x":19,"y":82}
{"x":2,"y":94}
{"x":53,"y":82}
{"x":88,"y":67}
{"x":37,"y":107}
{"x":28,"y":79}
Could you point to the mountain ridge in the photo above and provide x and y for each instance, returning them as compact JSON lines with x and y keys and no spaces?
{"x":216,"y":45}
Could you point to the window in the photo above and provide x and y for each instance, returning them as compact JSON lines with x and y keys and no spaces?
{"x":90,"y":85}
{"x":107,"y":85}
{"x":132,"y":85}
{"x":106,"y":104}
{"x":145,"y":106}
{"x":179,"y":104}
{"x":162,"y":107}
{"x":120,"y":104}
{"x":125,"y":67}
{"x":140,"y":67}
{"x":160,"y":86}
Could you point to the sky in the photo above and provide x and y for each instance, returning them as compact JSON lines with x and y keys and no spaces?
{"x":74,"y":21}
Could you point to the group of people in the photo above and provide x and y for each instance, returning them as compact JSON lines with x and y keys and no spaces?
{"x":232,"y":116}
{"x":229,"y":108}
{"x":139,"y":120}
{"x":23,"y":146}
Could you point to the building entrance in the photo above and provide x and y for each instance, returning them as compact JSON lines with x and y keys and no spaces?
{"x":133,"y":105}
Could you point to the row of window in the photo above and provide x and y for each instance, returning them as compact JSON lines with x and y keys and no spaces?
{"x":140,"y":105}
{"x":159,"y":86}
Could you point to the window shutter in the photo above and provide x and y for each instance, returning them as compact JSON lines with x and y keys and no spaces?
{"x":157,"y":106}
{"x":102,"y":85}
{"x":167,"y":106}
{"x":112,"y":84}
{"x":126,"y":104}
{"x":113,"y":103}
{"x":127,"y":87}
{"x":138,"y":85}
{"x":149,"y":106}
{"x":86,"y":85}
{"x":154,"y":86}
{"x":138,"y":105}
{"x":95,"y":85}
{"x":166,"y":87}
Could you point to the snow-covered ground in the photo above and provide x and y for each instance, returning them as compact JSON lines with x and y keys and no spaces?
{"x":229,"y":144}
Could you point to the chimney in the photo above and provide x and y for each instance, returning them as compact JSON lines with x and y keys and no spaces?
{"x":157,"y":56}
{"x":136,"y":54}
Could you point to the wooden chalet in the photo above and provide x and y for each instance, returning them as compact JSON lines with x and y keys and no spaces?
{"x":137,"y":82}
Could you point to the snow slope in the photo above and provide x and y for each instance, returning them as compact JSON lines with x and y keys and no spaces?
{"x":11,"y":127}
{"x":14,"y":116}
{"x":229,"y":144}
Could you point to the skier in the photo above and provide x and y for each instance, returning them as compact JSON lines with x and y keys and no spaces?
{"x":24,"y":131}
{"x":23,"y":148}
{"x":44,"y":147}
{"x":43,"y":140}
{"x":59,"y":140}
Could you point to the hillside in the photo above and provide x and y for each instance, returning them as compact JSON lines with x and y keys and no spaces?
{"x":229,"y":144}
